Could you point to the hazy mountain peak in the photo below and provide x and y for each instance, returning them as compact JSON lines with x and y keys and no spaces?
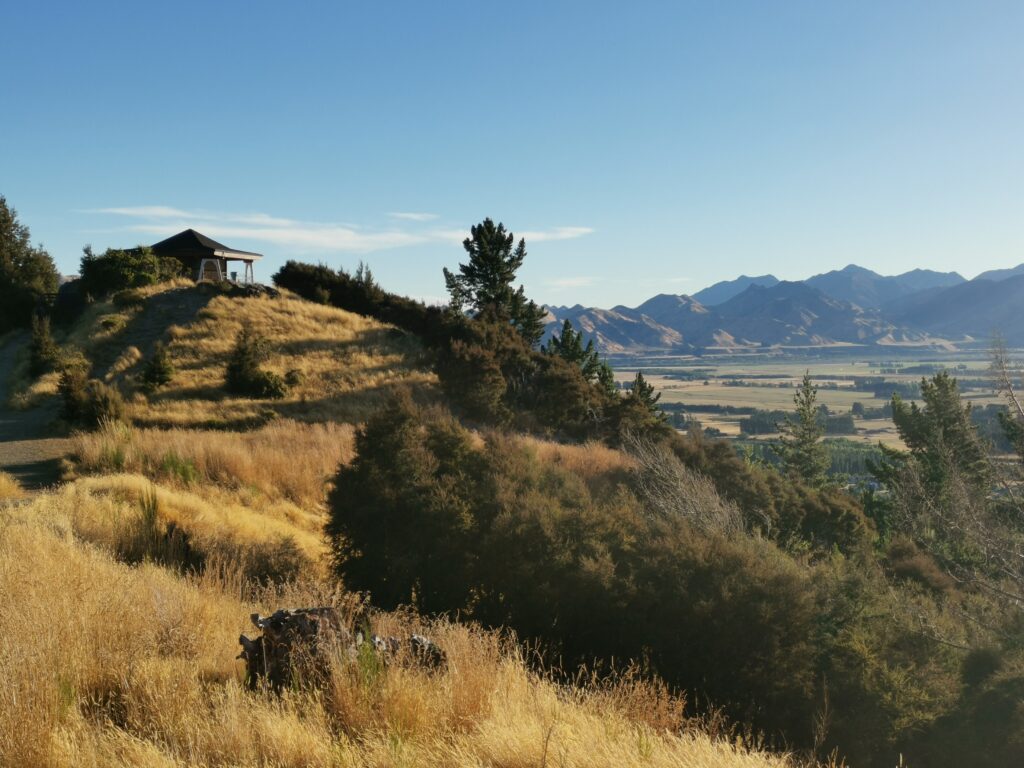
{"x":724,"y":290}
{"x":1001,"y":274}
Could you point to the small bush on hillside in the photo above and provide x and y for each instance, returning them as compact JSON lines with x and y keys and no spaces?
{"x":159,"y":370}
{"x":74,"y":378}
{"x":87,"y":402}
{"x":44,"y":352}
{"x":274,"y":562}
{"x":103,"y":403}
{"x":244,"y":376}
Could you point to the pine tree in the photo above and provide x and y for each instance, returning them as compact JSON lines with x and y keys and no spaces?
{"x":486,"y":280}
{"x":940,"y":434}
{"x":800,"y":447}
{"x":638,"y":414}
{"x":569,"y":347}
{"x":606,"y":379}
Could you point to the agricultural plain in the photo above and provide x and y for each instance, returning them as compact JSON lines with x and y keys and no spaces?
{"x":718,"y":392}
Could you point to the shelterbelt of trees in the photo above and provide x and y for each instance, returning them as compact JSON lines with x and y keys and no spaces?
{"x":873,"y":626}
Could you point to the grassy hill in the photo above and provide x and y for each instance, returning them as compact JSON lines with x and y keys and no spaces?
{"x":127,"y":586}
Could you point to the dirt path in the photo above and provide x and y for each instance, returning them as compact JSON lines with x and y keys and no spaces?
{"x":28,"y":449}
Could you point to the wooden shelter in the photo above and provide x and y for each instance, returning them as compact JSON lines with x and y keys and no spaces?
{"x":205,"y":258}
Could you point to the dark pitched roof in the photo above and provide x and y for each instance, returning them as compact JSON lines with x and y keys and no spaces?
{"x":191,"y":242}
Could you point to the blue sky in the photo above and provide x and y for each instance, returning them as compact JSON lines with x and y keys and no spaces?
{"x":640,"y":147}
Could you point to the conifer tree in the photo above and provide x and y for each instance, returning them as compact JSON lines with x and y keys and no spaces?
{"x":940,"y":434}
{"x":606,"y":379}
{"x":486,"y":280}
{"x":569,"y":346}
{"x":803,"y":453}
{"x":26,"y":272}
{"x":638,"y":414}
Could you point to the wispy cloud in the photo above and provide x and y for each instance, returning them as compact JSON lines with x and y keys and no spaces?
{"x":162,"y":220}
{"x":406,"y":216}
{"x":556,"y":233}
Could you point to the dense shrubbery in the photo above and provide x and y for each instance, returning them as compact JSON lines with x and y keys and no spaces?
{"x":115,"y":270}
{"x":426,"y":516}
{"x":782,"y":508}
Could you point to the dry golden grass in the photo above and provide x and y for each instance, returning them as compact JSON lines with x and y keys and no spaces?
{"x":348,"y":364}
{"x":283,"y":460}
{"x":109,"y":665}
{"x":109,"y":510}
{"x":598,"y":465}
{"x":10,"y":488}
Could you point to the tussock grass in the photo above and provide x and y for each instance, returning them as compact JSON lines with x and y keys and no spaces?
{"x":110,"y":665}
{"x":10,"y":488}
{"x":283,"y":460}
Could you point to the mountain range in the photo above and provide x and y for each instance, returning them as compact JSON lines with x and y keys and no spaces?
{"x":852,"y":305}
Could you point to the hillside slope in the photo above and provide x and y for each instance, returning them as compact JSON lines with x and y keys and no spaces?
{"x":110,"y":664}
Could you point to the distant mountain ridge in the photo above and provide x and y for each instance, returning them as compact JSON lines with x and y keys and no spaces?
{"x":1001,"y":274}
{"x":726,"y":289}
{"x":869,"y":289}
{"x":852,"y":305}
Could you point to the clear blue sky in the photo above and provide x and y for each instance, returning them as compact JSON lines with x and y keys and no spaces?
{"x":641,"y":147}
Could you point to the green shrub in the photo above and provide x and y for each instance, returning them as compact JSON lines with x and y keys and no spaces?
{"x":44,"y":352}
{"x":244,"y":376}
{"x":103,"y":403}
{"x":159,"y":370}
{"x":72,"y":388}
{"x":87,"y":402}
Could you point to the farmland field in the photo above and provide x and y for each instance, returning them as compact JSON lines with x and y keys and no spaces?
{"x":719,"y":391}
